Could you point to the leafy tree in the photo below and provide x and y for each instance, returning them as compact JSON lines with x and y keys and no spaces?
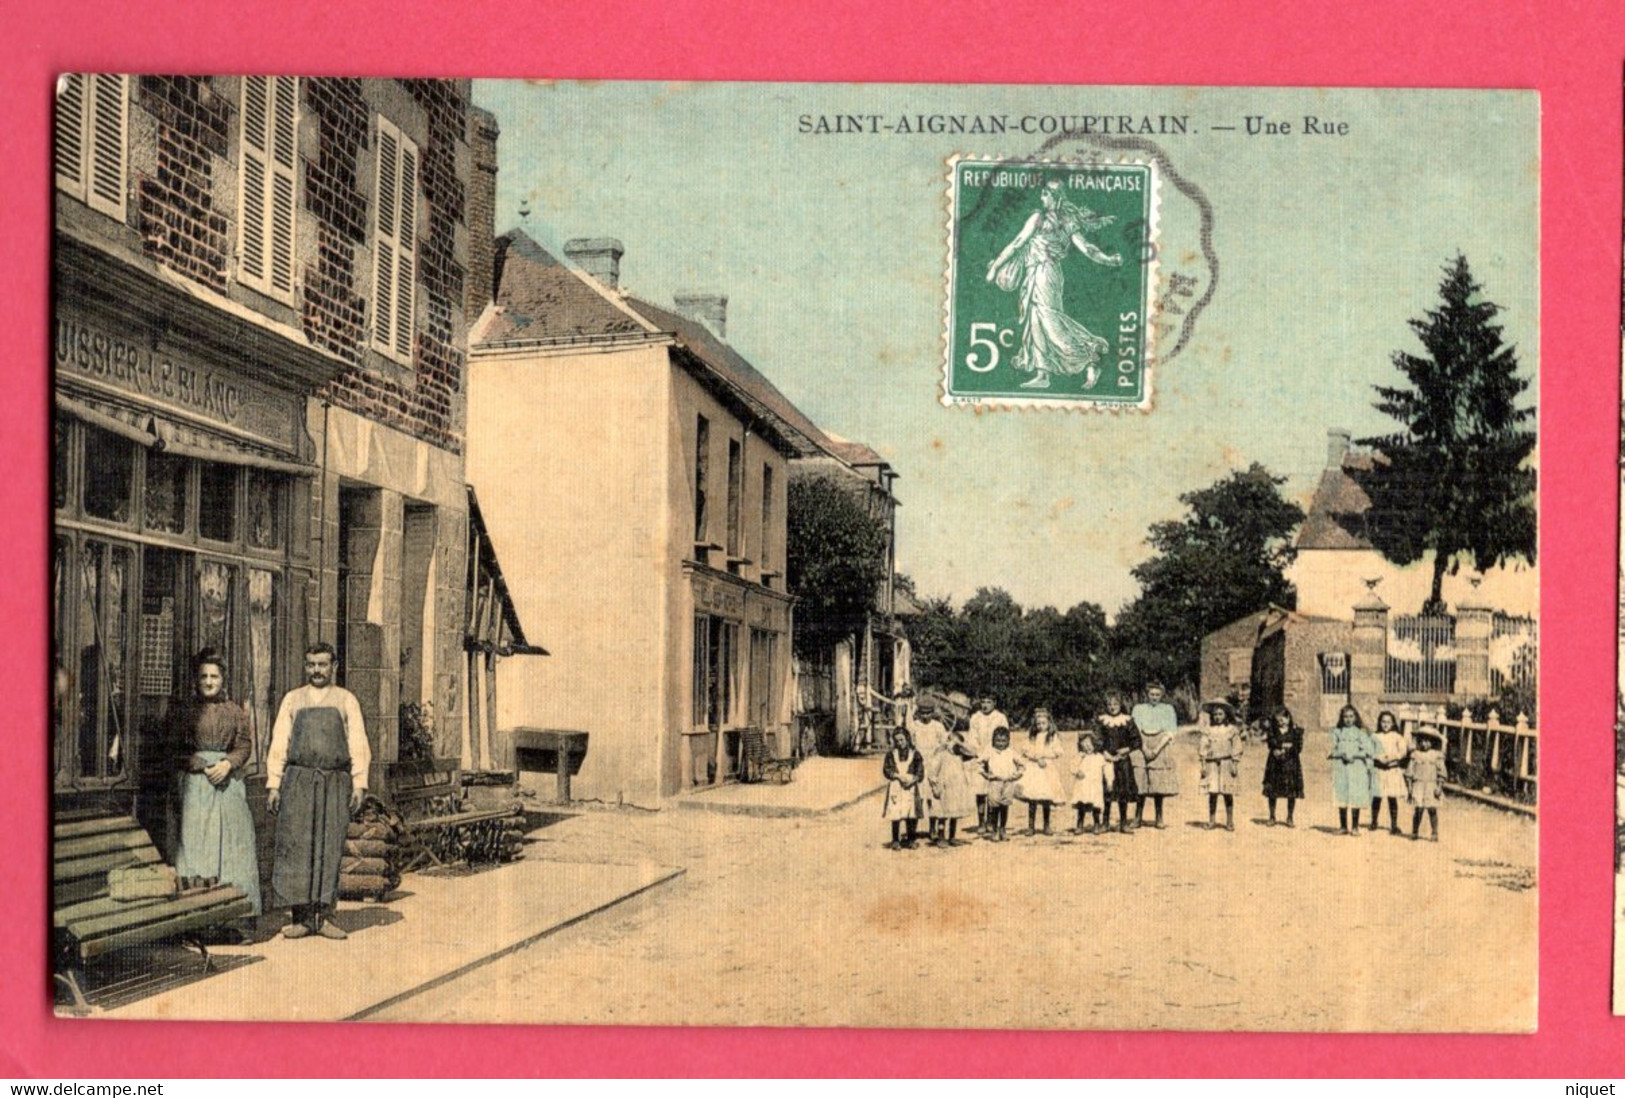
{"x":1454,"y":479}
{"x":1025,"y":658}
{"x":936,"y":645}
{"x":1225,"y":559}
{"x":836,"y":560}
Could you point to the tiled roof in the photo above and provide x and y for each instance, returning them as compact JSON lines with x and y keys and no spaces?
{"x":1338,"y":499}
{"x":854,"y":453}
{"x":736,"y":372}
{"x":539,"y":298}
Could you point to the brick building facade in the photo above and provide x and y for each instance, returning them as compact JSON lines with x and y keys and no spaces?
{"x":261,"y":338}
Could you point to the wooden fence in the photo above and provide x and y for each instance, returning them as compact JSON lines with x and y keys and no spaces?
{"x":1488,"y":757}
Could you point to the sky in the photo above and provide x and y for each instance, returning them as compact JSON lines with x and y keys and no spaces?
{"x":832,"y":249}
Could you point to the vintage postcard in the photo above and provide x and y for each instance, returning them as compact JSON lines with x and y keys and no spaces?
{"x":795,"y":555}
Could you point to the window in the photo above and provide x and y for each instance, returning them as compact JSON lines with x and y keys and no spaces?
{"x":763,"y":683}
{"x":217,"y":608}
{"x":725,"y":653}
{"x":701,"y":701}
{"x":736,"y":489}
{"x":167,"y":477}
{"x":267,"y":169}
{"x":394,"y":212}
{"x":702,"y":474}
{"x":102,"y":631}
{"x":263,"y":605}
{"x":716,"y":674}
{"x":109,"y":485}
{"x":92,"y":121}
{"x":265,"y":493}
{"x":762,"y":552}
{"x":217,"y":502}
{"x":1241,"y":665}
{"x":61,"y":463}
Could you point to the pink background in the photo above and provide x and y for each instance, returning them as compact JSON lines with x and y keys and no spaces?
{"x":1571,"y":52}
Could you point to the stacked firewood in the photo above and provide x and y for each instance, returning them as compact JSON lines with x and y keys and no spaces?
{"x":478,"y":842}
{"x":498,"y":840}
{"x":369,"y":868}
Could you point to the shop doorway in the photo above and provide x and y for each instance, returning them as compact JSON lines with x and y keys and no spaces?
{"x":714,"y":744}
{"x":164,"y":652}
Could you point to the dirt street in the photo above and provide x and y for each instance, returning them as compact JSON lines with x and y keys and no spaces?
{"x":812,"y":921}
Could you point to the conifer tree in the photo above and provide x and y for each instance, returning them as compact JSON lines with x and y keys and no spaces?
{"x":1454,"y":479}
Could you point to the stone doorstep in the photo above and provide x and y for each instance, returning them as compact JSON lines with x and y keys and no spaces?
{"x":440,"y":928}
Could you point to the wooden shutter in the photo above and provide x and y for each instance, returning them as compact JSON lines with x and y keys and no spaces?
{"x":108,"y":146}
{"x":91,"y":155}
{"x":395,"y":243}
{"x":267,"y":169}
{"x":70,"y":134}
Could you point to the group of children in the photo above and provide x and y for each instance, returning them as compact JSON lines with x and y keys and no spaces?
{"x":943,"y":775}
{"x":1386,"y":765}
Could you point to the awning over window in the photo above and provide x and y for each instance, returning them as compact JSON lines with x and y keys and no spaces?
{"x":493,"y":622}
{"x":160,"y":433}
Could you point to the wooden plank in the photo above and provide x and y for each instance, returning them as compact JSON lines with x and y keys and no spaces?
{"x":92,"y":826}
{"x":462,"y":818}
{"x":140,"y":914}
{"x":94,"y":907}
{"x":85,"y":888}
{"x":103,"y":863}
{"x":157,"y":932}
{"x":105,"y":843}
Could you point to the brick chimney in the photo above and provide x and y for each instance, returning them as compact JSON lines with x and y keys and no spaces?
{"x":478,"y":286}
{"x":706,"y":306}
{"x":599,"y":256}
{"x":1337,"y":447}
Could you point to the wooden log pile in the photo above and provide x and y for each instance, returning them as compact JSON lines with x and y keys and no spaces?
{"x":370,"y":867}
{"x":473,"y":838}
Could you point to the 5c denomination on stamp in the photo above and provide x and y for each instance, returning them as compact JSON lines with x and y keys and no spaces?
{"x":1051,"y":283}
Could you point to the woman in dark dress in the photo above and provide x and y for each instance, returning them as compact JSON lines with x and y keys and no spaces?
{"x":217,"y":831}
{"x":1119,"y":739}
{"x":1283,"y":766}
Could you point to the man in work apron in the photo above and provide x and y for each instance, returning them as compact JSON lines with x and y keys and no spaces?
{"x":313,"y":817}
{"x":316,"y":775}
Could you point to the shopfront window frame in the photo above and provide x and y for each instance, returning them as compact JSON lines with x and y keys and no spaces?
{"x":290,"y":567}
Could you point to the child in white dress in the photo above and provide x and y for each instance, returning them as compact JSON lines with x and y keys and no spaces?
{"x":1424,"y":775}
{"x":1002,"y":770}
{"x":1040,"y":784}
{"x":1091,"y":782}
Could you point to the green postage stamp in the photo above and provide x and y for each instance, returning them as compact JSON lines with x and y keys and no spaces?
{"x":1051,"y":283}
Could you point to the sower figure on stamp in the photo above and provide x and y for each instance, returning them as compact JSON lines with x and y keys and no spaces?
{"x":316,"y":776}
{"x":1051,"y":341}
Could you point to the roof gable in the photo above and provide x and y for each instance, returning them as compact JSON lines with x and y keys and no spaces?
{"x":1335,"y":519}
{"x":540,"y":299}
{"x":736,"y":372}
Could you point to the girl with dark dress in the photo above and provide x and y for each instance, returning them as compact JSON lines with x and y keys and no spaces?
{"x":904,"y":771}
{"x":1283,"y":766}
{"x":217,"y":830}
{"x":1119,"y":739}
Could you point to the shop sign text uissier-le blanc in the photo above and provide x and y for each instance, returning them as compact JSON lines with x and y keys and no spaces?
{"x":88,"y":353}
